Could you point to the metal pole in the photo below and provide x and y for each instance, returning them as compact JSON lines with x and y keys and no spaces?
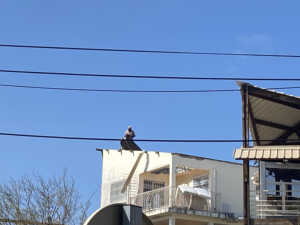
{"x":246,"y":187}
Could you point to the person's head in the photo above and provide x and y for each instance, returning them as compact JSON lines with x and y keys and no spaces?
{"x":129,"y":128}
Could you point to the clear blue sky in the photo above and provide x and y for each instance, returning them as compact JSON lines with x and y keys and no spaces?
{"x":216,"y":26}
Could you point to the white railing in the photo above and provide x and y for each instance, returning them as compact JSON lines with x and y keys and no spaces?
{"x":282,"y":201}
{"x":159,"y":200}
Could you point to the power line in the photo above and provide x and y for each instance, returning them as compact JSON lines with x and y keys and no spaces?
{"x":145,"y":76}
{"x":132,"y":91}
{"x":137,"y":140}
{"x":117,"y":90}
{"x":149,"y":51}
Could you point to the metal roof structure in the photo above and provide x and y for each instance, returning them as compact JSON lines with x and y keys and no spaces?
{"x":274,"y":117}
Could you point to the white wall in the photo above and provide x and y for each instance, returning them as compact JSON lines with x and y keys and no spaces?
{"x":228,"y":181}
{"x":228,"y":176}
{"x":118,"y":164}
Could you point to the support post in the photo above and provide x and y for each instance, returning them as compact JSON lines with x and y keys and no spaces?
{"x":246,"y":184}
{"x":246,"y":192}
{"x":172,"y":181}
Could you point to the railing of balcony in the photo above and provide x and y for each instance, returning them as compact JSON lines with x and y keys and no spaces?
{"x":154,"y":200}
{"x":282,"y":199}
{"x":159,"y":200}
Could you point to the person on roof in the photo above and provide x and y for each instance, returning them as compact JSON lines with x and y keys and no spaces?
{"x":129,"y":134}
{"x":127,"y":142}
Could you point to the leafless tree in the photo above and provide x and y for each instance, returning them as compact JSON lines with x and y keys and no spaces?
{"x":33,"y":198}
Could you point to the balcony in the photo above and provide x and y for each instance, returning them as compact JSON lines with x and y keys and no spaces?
{"x":281,"y":199}
{"x":179,"y":200}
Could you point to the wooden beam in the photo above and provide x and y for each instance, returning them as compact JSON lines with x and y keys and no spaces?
{"x":292,"y":105}
{"x":282,"y":139}
{"x":282,"y":99}
{"x":246,"y":184}
{"x":132,"y":172}
{"x":272,"y":124}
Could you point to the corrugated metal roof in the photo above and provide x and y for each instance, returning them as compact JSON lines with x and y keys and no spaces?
{"x":268,"y":152}
{"x":274,"y":116}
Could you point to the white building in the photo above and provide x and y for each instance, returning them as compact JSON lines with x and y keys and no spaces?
{"x":174,"y":188}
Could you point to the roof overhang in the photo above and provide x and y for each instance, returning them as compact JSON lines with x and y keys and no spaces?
{"x":290,"y":152}
{"x":274,"y":117}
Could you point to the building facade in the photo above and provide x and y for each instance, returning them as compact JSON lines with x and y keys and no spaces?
{"x":174,"y":188}
{"x":273,"y":121}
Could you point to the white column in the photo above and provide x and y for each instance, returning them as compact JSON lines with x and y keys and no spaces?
{"x":171,"y":220}
{"x":212,"y":189}
{"x":172,"y":181}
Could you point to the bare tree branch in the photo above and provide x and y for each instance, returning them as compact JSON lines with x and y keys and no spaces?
{"x":33,"y":198}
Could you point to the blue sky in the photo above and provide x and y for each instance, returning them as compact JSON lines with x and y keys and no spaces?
{"x":210,"y":26}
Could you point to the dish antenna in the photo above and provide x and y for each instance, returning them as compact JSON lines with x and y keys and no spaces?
{"x":119,"y":214}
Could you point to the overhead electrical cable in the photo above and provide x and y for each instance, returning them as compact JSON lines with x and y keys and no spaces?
{"x":117,"y":90}
{"x":148,"y":51}
{"x":132,"y":91}
{"x":137,"y":140}
{"x":145,"y":76}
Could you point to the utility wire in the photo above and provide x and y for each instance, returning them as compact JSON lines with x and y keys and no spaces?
{"x":117,"y":90}
{"x":132,"y":91}
{"x":149,"y":51}
{"x":137,"y":140}
{"x":145,"y":76}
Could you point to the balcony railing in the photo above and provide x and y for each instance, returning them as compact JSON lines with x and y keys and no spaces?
{"x":282,"y":200}
{"x":159,"y":200}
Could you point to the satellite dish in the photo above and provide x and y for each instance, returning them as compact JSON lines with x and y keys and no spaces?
{"x":119,"y":214}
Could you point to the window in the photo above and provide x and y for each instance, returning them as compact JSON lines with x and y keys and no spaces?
{"x":201,"y":182}
{"x":282,"y":182}
{"x":150,"y":185}
{"x":115,"y":192}
{"x":296,"y":188}
{"x":271,"y":185}
{"x":155,"y":199}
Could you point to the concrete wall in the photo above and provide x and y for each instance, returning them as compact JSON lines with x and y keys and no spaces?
{"x":225,"y":177}
{"x":118,"y":164}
